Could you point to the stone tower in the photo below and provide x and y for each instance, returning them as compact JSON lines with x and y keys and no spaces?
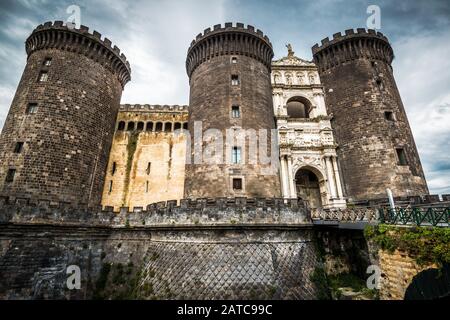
{"x":57,"y":136}
{"x":376,"y":146}
{"x":230,"y":91}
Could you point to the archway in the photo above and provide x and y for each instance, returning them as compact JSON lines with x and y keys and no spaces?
{"x":298,"y":107}
{"x":430,"y":284}
{"x":308,"y":187}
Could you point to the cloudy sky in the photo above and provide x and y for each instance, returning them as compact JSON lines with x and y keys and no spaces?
{"x":155,"y":36}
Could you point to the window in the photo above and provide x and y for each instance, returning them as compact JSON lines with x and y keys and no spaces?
{"x":389,"y":115}
{"x":113,"y":169}
{"x":10,"y":175}
{"x":235,"y":112}
{"x":168,"y":127}
{"x":237,"y":183}
{"x":177,"y":126}
{"x":233,"y":60}
{"x":149,"y":167}
{"x":110,"y":186}
{"x":236,"y":155}
{"x":31,"y":108}
{"x":234,"y":80}
{"x":121,"y":126}
{"x":185,"y":125}
{"x":401,"y":155}
{"x":149,"y":126}
{"x":140,"y":126}
{"x":18,"y":148}
{"x":146,"y":186}
{"x":159,"y":126}
{"x":47,"y":62}
{"x":130,"y":126}
{"x":43,"y":76}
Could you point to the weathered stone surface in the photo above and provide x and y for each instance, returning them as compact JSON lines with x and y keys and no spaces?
{"x":356,"y":72}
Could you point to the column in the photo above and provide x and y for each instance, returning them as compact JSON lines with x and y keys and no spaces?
{"x":291,"y":184}
{"x":330,"y":177}
{"x":284,"y":182}
{"x":338,"y":178}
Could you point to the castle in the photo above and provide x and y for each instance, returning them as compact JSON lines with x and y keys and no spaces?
{"x":342,"y":130}
{"x":333,"y":130}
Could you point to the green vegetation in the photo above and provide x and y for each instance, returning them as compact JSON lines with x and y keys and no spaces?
{"x":424,"y":244}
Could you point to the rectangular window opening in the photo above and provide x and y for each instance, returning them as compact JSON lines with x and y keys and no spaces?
{"x":237,"y":183}
{"x":48,"y":62}
{"x":401,"y":155}
{"x":18,"y":147}
{"x":235,"y":112}
{"x":389,"y":115}
{"x":110,"y":186}
{"x":149,"y":167}
{"x":10,"y":175}
{"x":234,"y":80}
{"x":43,"y":76}
{"x":146,"y":186}
{"x":236,"y":155}
{"x":233,"y":60}
{"x":114,"y":168}
{"x":31,"y":108}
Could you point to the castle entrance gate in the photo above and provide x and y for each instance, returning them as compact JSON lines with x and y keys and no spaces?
{"x":308,"y":187}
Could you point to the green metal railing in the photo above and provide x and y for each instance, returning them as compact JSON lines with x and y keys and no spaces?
{"x":432,"y":216}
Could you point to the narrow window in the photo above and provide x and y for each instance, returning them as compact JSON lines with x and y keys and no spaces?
{"x":177,"y":126}
{"x":149,"y":126}
{"x":159,"y":126}
{"x":140,"y":126}
{"x":10,"y":175}
{"x":233,"y":60}
{"x":149,"y":167}
{"x":113,"y":169}
{"x":234,"y":80}
{"x":236,"y":155}
{"x":47,"y":62}
{"x":146,"y":186}
{"x":168,"y":127}
{"x":235,"y":112}
{"x":43,"y":76}
{"x":401,"y":155}
{"x":185,"y":125}
{"x":130,"y":126}
{"x":121,"y":126}
{"x":389,"y":115}
{"x":110,"y":186}
{"x":31,"y":108}
{"x":380,"y":84}
{"x":237,"y":183}
{"x":18,"y":148}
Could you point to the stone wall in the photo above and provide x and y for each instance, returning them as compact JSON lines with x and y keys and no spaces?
{"x":222,"y":249}
{"x":147,"y":158}
{"x":397,"y":271}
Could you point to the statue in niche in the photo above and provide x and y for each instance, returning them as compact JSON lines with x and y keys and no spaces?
{"x":300,"y":78}
{"x":289,"y":79}
{"x":276,"y":78}
{"x":312,"y":80}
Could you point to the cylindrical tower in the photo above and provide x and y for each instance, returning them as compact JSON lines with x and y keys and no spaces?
{"x":376,"y":146}
{"x":230,"y":91}
{"x":57,"y":136}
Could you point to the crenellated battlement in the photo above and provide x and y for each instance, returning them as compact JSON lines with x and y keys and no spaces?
{"x":199,"y":212}
{"x":230,"y":39}
{"x":153,"y":108}
{"x":57,"y":35}
{"x":353,"y":44}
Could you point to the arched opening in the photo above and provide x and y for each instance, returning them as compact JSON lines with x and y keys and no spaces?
{"x":185,"y":125}
{"x":130,"y":126}
{"x":298,"y":107}
{"x":168,"y":127}
{"x":140,"y":126}
{"x":149,"y":126}
{"x":158,"y":126}
{"x":308,"y":187}
{"x":177,"y":126}
{"x":121,"y":126}
{"x":430,"y":284}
